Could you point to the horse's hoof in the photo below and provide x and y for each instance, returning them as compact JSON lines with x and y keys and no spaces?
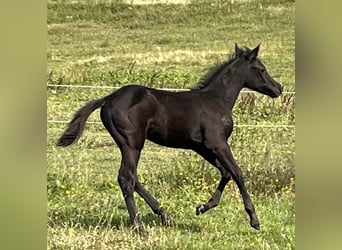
{"x":200,"y":209}
{"x":141,"y":230}
{"x":166,"y":220}
{"x":143,"y":233}
{"x":255,"y":224}
{"x":139,"y":227}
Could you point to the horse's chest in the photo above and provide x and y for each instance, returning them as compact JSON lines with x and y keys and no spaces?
{"x":227,"y":123}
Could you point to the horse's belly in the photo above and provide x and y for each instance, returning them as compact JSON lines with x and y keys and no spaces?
{"x":175,"y":140}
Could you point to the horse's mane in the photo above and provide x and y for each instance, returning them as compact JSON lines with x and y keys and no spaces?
{"x":216,"y":69}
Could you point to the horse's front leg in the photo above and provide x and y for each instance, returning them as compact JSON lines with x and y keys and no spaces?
{"x":225,"y":156}
{"x":209,"y":156}
{"x":215,"y":198}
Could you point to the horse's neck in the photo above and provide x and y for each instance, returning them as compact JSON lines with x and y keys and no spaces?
{"x":225,"y":87}
{"x":232,"y":91}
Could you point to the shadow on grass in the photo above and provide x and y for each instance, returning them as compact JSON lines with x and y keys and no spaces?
{"x":153,"y":220}
{"x":118,"y":222}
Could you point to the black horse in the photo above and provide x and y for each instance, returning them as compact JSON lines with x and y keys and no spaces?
{"x":199,"y":119}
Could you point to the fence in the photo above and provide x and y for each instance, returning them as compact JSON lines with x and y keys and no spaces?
{"x":168,"y":89}
{"x":113,"y":88}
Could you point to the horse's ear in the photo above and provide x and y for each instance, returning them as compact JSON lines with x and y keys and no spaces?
{"x":238,"y":51}
{"x":254,"y":53}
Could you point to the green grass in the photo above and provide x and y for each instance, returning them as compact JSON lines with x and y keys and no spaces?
{"x":95,"y":44}
{"x":86,"y":206}
{"x":112,"y":43}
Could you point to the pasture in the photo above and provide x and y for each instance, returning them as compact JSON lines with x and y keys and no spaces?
{"x":97,"y":46}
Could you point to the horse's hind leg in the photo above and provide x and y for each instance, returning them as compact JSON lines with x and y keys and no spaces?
{"x":154,"y":204}
{"x":127,"y":182}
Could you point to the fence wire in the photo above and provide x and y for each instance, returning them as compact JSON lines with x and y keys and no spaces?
{"x":247,"y":101}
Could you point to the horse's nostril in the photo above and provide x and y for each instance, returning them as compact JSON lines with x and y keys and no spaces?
{"x":280,"y":88}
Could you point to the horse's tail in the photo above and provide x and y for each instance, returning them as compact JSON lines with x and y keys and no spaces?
{"x":76,"y":125}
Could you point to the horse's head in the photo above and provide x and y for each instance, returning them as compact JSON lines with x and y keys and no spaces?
{"x":254,"y":73}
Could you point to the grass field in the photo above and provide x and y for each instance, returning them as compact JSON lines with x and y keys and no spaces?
{"x":113,"y":43}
